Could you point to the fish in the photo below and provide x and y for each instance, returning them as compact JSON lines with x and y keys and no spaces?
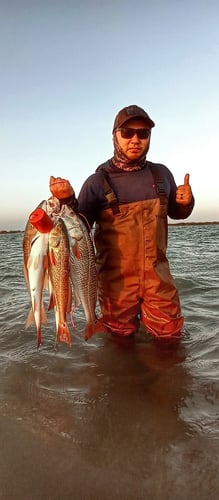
{"x":29,"y":234}
{"x":82,"y":269}
{"x":53,"y":208}
{"x":35,"y":265}
{"x":59,"y":276}
{"x":62,"y":261}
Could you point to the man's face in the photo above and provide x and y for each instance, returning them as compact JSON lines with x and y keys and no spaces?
{"x":133,"y":147}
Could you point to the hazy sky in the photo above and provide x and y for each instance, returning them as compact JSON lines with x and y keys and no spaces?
{"x":68,"y":66}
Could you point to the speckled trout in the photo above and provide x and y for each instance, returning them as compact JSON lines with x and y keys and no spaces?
{"x":82,"y":269}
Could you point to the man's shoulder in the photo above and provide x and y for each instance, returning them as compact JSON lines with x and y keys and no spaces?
{"x":103,"y":167}
{"x":98,"y":173}
{"x":159,"y":168}
{"x":152,"y":164}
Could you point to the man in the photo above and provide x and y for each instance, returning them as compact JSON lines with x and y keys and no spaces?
{"x":129,"y":198}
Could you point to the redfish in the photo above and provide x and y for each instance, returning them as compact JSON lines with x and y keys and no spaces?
{"x":59,"y":274}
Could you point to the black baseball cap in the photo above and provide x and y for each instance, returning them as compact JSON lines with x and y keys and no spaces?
{"x":129,"y":112}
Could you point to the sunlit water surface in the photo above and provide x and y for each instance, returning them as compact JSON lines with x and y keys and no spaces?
{"x":108,"y":419}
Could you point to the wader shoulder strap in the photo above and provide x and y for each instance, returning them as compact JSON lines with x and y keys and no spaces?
{"x":110,"y":195}
{"x":158,"y":183}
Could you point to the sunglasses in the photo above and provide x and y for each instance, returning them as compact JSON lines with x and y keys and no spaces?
{"x":128,"y":133}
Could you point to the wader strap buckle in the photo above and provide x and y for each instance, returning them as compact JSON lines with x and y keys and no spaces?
{"x":110,"y":196}
{"x":159,"y":184}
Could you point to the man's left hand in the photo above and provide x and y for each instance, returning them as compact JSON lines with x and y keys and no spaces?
{"x":184,"y":192}
{"x":60,"y":188}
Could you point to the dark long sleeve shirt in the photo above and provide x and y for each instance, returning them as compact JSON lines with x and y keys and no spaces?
{"x":129,"y":187}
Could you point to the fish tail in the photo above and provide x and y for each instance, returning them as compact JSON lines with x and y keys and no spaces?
{"x":30,"y":318}
{"x":92,"y":328}
{"x":63,"y":333}
{"x":39,"y":337}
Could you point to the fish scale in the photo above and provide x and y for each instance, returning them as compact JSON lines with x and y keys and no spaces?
{"x":35,"y":247}
{"x":82,"y":269}
{"x":66,"y":265}
{"x":59,"y":271}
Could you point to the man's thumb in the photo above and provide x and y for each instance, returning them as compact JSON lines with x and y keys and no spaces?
{"x":186,"y":180}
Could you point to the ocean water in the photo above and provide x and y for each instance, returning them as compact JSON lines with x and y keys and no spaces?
{"x":108,"y":419}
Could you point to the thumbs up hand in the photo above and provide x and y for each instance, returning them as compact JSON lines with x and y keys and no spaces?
{"x":184,"y":192}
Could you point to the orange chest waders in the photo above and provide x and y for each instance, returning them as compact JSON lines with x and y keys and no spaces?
{"x":134,"y":280}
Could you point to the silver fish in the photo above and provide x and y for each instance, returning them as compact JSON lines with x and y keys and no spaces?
{"x":35,"y":268}
{"x":35,"y":265}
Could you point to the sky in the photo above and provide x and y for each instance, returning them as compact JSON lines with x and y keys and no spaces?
{"x":68,"y":67}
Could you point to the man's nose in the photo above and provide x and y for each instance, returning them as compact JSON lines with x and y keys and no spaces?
{"x":135,"y":138}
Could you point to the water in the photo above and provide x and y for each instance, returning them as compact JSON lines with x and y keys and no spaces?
{"x":107,"y":419}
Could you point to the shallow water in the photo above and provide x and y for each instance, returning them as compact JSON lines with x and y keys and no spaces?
{"x":111,"y":419}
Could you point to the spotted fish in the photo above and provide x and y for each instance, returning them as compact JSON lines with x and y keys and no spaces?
{"x":82,"y":269}
{"x":59,"y":275}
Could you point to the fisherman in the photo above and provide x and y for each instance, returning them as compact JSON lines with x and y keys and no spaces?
{"x":129,"y":198}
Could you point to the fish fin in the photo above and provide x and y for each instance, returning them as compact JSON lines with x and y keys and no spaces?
{"x":76,"y":299}
{"x":46,"y":281}
{"x":63,"y":334}
{"x":30,"y":318}
{"x":69,"y":305}
{"x":45,"y":262}
{"x":52,"y":257}
{"x":72,"y":316}
{"x":75,"y":296}
{"x":76,"y":251}
{"x":39,"y":338}
{"x":29,"y":261}
{"x":92,"y":328}
{"x":44,"y":319}
{"x":52,"y":302}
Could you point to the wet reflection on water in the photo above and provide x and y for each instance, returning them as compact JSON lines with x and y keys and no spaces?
{"x":111,"y":419}
{"x":122,"y":408}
